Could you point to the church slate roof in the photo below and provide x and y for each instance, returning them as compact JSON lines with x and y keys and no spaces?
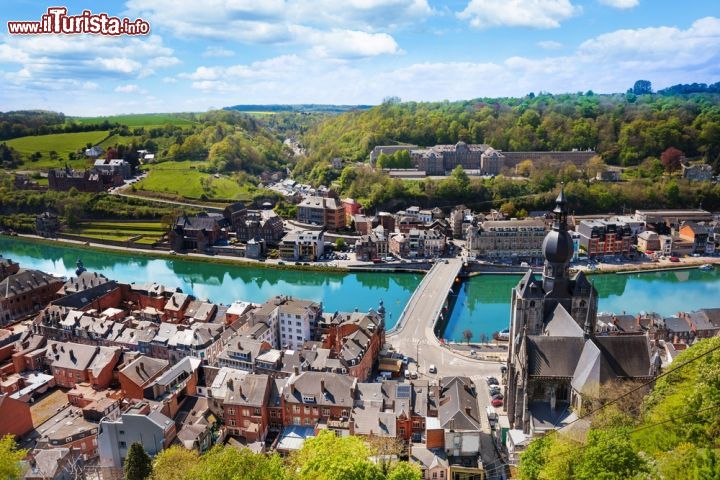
{"x":553,"y":356}
{"x":529,"y":286}
{"x":581,"y":284}
{"x":607,"y":358}
{"x":561,"y":324}
{"x":627,"y":355}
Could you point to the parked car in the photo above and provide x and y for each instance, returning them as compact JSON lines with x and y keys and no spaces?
{"x":674,"y":259}
{"x":432,"y":369}
{"x":407,"y":374}
{"x":497,"y":403}
{"x":492,"y":381}
{"x":497,"y":395}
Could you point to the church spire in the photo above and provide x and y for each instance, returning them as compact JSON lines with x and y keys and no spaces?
{"x":560,"y":211}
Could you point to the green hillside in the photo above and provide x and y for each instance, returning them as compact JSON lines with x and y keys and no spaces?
{"x":138,"y":120}
{"x":61,"y":143}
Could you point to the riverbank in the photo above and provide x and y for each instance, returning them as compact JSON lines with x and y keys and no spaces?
{"x":192,"y":257}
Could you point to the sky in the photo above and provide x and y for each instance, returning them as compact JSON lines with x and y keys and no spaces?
{"x":203,"y":54}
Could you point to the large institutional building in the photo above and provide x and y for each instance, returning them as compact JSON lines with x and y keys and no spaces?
{"x":442,"y":159}
{"x":556,"y":360}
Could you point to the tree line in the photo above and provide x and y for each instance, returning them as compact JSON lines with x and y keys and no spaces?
{"x":625,"y":129}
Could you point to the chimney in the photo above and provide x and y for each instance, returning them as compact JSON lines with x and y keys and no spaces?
{"x":296,"y":370}
{"x":240,"y":392}
{"x":142,"y":367}
{"x":230,"y":385}
{"x":137,"y":369}
{"x":72,"y":356}
{"x":322,"y":385}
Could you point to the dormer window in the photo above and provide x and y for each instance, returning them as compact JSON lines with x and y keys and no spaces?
{"x":308,"y":399}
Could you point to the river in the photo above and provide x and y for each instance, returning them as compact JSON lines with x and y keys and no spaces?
{"x":483,"y":303}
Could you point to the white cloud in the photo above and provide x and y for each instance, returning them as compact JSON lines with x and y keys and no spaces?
{"x":46,"y":62}
{"x":90,"y":85}
{"x":606,"y":63}
{"x":129,"y":88}
{"x":217,"y":52}
{"x":518,"y":13}
{"x":169,"y":80}
{"x":352,"y":29}
{"x":621,"y":4}
{"x":550,"y":45}
{"x":349,"y":43}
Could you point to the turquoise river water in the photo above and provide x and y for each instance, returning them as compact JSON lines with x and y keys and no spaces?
{"x":482,"y":304}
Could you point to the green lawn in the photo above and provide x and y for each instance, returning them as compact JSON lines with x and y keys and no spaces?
{"x":120,"y":231}
{"x":138,"y":120}
{"x":118,"y":140}
{"x":187,"y":183}
{"x":175,"y":166}
{"x":62,"y":143}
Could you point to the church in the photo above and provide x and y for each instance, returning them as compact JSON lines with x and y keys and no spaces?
{"x":556,"y":360}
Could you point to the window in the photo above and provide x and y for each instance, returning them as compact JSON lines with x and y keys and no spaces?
{"x":246,"y":412}
{"x":296,"y":409}
{"x":231,"y":411}
{"x":256,"y":412}
{"x":296,"y":421}
{"x":232,"y":422}
{"x":122,"y":444}
{"x":326,"y":412}
{"x":122,"y":432}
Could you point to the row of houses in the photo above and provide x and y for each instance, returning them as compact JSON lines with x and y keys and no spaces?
{"x":150,"y":364}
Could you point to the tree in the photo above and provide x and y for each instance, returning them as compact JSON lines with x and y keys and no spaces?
{"x":608,"y":454}
{"x":461,"y":177}
{"x":328,"y":457}
{"x":340,"y":244}
{"x":138,"y":465}
{"x":387,"y":450}
{"x":642,"y":87}
{"x":174,"y":463}
{"x":671,"y":159}
{"x":10,"y":457}
{"x":405,"y":471}
{"x":467,"y":335}
{"x":525,"y":168}
{"x":53,"y":155}
{"x":595,"y":165}
{"x":508,"y":209}
{"x":231,"y":463}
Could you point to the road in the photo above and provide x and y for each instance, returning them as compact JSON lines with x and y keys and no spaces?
{"x":416,"y":339}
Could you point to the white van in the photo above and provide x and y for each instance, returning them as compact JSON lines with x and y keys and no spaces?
{"x":407,"y":374}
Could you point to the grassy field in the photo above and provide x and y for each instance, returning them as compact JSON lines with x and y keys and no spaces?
{"x":120,"y":231}
{"x":62,"y":143}
{"x":175,"y":166}
{"x":187,"y":182}
{"x":138,"y":120}
{"x":118,"y":140}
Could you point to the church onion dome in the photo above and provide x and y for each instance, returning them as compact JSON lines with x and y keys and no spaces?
{"x":558,"y":246}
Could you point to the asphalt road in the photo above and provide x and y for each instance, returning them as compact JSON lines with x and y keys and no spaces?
{"x":416,"y":339}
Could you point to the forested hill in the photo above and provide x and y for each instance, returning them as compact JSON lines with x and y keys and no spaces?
{"x":624,"y":128}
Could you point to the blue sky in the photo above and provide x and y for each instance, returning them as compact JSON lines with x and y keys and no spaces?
{"x":212,"y":53}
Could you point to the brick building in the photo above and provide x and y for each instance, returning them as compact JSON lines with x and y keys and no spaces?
{"x":323,"y":211}
{"x":245,"y":406}
{"x":26,"y":292}
{"x":602,"y":237}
